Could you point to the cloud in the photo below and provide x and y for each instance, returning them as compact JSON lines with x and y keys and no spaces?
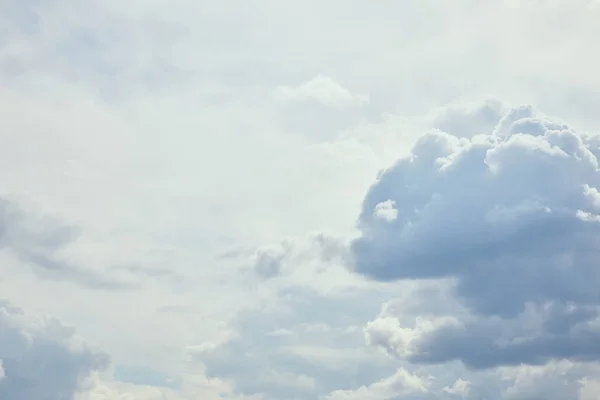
{"x":37,"y":242}
{"x":42,"y":358}
{"x":300,"y":344}
{"x":508,"y":219}
{"x":320,"y":99}
{"x":386,"y":211}
{"x":467,"y":119}
{"x":154,"y":129}
{"x":322,"y":89}
{"x":536,"y":337}
{"x":590,"y":389}
{"x":556,"y":380}
{"x":400,"y":385}
{"x":318,"y":253}
{"x":269,"y":260}
{"x":459,"y":388}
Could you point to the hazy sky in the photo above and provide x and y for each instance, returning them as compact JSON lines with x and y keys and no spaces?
{"x":299,"y":200}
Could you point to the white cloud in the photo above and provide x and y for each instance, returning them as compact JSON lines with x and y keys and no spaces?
{"x":324,"y":90}
{"x":386,"y":211}
{"x":459,"y":388}
{"x":400,"y":385}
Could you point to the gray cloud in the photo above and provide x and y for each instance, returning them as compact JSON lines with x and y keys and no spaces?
{"x":42,"y":358}
{"x":300,"y":347}
{"x":511,"y":218}
{"x":37,"y":241}
{"x":282,"y":258}
{"x":536,"y":337}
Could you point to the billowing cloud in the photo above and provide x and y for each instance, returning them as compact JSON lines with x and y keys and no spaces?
{"x":536,"y":336}
{"x":42,"y":358}
{"x":509,"y":218}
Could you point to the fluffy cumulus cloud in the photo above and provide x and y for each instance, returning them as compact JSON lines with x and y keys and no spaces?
{"x":513,"y":202}
{"x":506,"y":222}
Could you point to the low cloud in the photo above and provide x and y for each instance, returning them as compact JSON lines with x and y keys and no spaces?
{"x":41,"y":358}
{"x":38,"y":241}
{"x":386,"y":211}
{"x":400,"y":385}
{"x":302,"y":345}
{"x":508,"y":219}
{"x":324,"y":90}
{"x":460,"y":388}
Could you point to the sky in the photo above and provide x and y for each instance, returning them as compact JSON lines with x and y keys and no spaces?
{"x":299,"y":200}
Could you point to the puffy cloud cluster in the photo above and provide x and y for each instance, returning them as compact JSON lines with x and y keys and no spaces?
{"x":508,"y":218}
{"x":41,"y":358}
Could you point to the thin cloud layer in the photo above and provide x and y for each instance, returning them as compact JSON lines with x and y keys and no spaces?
{"x":324,"y":90}
{"x":37,"y":242}
{"x":510,"y":218}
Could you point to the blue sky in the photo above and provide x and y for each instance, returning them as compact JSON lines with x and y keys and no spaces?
{"x":266,"y":200}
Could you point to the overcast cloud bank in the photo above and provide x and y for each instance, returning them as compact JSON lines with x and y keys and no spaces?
{"x":302,"y":200}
